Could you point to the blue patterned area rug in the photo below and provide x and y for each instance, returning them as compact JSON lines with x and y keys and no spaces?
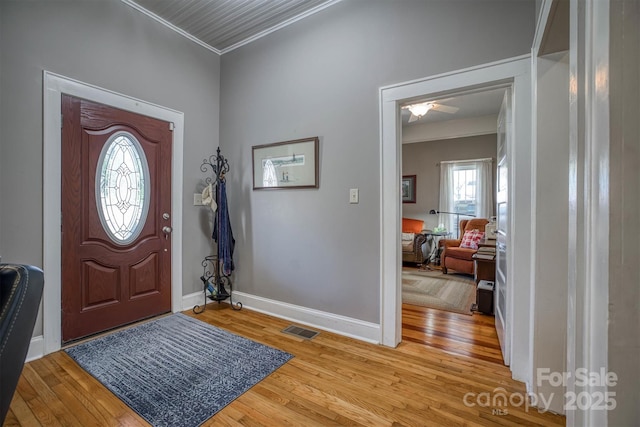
{"x":176,"y":370}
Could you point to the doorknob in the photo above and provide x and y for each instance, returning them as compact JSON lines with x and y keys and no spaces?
{"x":166,"y":229}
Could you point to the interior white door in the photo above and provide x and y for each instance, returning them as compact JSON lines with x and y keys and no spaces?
{"x":501,"y":290}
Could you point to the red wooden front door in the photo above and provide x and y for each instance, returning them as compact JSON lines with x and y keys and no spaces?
{"x":116,"y":205}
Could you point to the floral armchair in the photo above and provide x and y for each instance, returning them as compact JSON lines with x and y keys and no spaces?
{"x":412,"y":240}
{"x":459,"y":258}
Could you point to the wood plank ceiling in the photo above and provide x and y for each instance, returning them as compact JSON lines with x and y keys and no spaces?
{"x":223,"y":25}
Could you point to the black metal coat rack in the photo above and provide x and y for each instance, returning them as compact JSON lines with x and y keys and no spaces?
{"x":213,"y":278}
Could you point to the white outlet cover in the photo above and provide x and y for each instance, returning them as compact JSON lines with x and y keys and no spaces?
{"x":197,"y":199}
{"x":353,"y":195}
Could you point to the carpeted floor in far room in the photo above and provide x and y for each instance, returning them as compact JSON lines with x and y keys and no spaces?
{"x":450,"y":292}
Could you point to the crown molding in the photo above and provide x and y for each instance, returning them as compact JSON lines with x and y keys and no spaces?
{"x":169,"y":25}
{"x":241,"y":43}
{"x":280,"y":26}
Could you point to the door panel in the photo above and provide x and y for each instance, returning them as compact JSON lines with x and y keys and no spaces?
{"x":102,"y":284}
{"x":142,"y":277}
{"x":116,"y":174}
{"x":502,"y":291}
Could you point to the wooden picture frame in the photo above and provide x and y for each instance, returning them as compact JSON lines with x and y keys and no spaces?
{"x":286,"y":165}
{"x":408,"y":189}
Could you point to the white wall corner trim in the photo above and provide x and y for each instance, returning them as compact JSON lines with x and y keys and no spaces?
{"x":54,"y":86}
{"x":196,"y":298}
{"x":594,"y":314}
{"x":542,"y":23}
{"x":341,"y":325}
{"x":36,"y":349}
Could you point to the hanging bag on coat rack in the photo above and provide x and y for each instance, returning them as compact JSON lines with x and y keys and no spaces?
{"x":218,"y":268}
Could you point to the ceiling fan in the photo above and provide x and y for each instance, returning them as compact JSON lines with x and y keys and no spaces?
{"x":420,"y":109}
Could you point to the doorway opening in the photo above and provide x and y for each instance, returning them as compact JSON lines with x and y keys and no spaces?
{"x":513,"y":72}
{"x":452,"y":152}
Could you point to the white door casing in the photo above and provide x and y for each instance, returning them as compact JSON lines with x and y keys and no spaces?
{"x":515,"y":71}
{"x":54,"y":85}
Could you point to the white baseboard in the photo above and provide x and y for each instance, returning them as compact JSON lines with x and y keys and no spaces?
{"x":196,"y":298}
{"x":342,"y":325}
{"x":36,"y":348}
{"x":191,"y":300}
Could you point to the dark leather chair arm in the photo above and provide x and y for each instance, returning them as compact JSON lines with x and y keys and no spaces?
{"x":20,"y":293}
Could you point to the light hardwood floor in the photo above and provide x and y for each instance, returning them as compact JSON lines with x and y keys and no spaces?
{"x":332,"y":380}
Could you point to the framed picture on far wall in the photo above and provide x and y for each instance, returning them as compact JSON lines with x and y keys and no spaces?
{"x":286,"y":165}
{"x":408,"y":189}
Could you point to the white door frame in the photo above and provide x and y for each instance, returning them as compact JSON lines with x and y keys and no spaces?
{"x":591,"y":181}
{"x":517,"y":72}
{"x":54,"y":86}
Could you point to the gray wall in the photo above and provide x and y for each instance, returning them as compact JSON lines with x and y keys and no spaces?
{"x":422,"y":159}
{"x":320,"y":77}
{"x":538,"y":7}
{"x":624,"y":205}
{"x":108,"y":44}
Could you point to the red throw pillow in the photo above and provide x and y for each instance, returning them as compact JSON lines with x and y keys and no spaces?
{"x":471,"y":238}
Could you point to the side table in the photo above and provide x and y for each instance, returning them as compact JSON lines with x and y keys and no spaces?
{"x":485,"y":269}
{"x":432,"y":239}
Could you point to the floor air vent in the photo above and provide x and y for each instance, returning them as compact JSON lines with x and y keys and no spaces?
{"x":307,"y":334}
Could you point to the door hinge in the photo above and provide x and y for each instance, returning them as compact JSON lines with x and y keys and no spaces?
{"x":61,"y":120}
{"x":171,"y":126}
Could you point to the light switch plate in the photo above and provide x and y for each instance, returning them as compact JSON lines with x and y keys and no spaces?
{"x":353,"y":195}
{"x":197,"y":199}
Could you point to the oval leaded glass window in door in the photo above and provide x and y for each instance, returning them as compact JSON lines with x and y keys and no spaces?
{"x":122,"y":188}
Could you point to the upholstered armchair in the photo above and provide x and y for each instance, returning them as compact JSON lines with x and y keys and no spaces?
{"x":459,"y":258}
{"x":20,"y":293}
{"x":412,"y":240}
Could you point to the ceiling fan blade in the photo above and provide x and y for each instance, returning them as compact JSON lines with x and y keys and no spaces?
{"x":445,"y":108}
{"x":413,"y":118}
